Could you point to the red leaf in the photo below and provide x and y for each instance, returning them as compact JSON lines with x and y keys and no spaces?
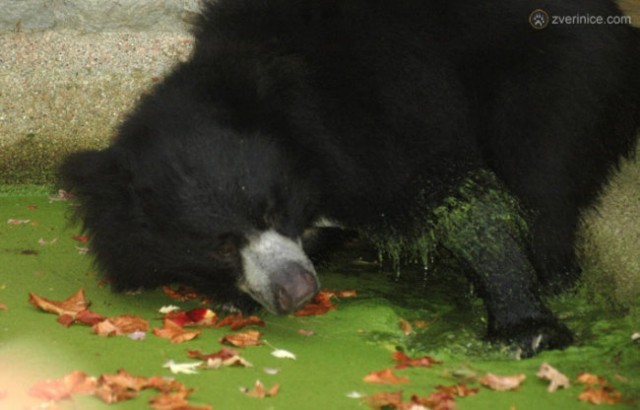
{"x":320,"y":305}
{"x":81,"y":238}
{"x":405,"y":361}
{"x":193,"y":317}
{"x":182,"y":294}
{"x":238,"y":321}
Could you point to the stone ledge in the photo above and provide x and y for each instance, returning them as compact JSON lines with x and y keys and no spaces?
{"x":98,"y":15}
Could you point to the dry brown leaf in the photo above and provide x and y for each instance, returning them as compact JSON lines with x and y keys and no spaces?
{"x":175,"y":333}
{"x":384,"y":400}
{"x":556,"y":379}
{"x":182,"y":294}
{"x":405,"y":361}
{"x":589,"y":379}
{"x":435,"y":401}
{"x":502,"y":383}
{"x":260,"y":391}
{"x":460,"y":390}
{"x":114,"y":388}
{"x":406,"y":327}
{"x":248,"y":338}
{"x":386,"y":376}
{"x":238,"y":321}
{"x":76,"y":382}
{"x":70,"y":306}
{"x":121,"y":325}
{"x":602,"y":395}
{"x":224,"y":357}
{"x":174,"y":401}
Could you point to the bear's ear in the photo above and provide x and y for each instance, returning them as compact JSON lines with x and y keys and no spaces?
{"x":92,"y":173}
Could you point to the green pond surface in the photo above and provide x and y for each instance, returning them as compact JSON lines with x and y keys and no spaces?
{"x":349,"y":342}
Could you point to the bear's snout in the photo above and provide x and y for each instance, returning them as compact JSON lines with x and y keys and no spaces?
{"x":293,"y":288}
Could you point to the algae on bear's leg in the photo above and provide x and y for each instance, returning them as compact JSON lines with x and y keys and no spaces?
{"x":486,"y":230}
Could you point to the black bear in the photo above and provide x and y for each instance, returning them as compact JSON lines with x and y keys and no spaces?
{"x":465,"y":121}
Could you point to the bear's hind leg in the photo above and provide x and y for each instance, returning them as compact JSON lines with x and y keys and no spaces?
{"x":485,"y":229}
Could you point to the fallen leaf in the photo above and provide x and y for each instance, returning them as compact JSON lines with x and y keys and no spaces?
{"x":137,"y":335}
{"x":421,"y":324}
{"x":175,"y":401}
{"x":184,"y":368}
{"x":224,"y":357}
{"x":13,"y":221}
{"x":111,"y":388}
{"x":76,"y":382}
{"x":248,"y":338}
{"x":435,"y":401}
{"x":557,"y":379}
{"x":125,"y":380}
{"x":223,"y":354}
{"x":502,"y":383}
{"x":283,"y":354}
{"x":459,"y":390}
{"x":43,"y":242}
{"x":120,"y":325}
{"x":598,"y":390}
{"x":175,"y":333}
{"x":589,"y":379}
{"x":405,"y":361}
{"x":260,"y":391}
{"x":193,"y":317}
{"x":306,"y":332}
{"x":384,"y":400}
{"x":385,"y":376}
{"x":406,"y":327}
{"x":70,"y":306}
{"x":3,"y":306}
{"x":345,"y":293}
{"x":182,"y":294}
{"x":238,"y":321}
{"x":168,"y":309}
{"x":61,"y":195}
{"x":320,"y":305}
{"x":87,"y":317}
{"x":81,"y":238}
{"x":602,"y":395}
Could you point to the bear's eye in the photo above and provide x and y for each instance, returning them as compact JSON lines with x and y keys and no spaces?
{"x":226,"y":249}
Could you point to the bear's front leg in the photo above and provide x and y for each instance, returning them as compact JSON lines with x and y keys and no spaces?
{"x":484,"y":227}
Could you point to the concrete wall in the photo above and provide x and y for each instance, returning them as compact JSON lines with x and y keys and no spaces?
{"x":97,"y":15}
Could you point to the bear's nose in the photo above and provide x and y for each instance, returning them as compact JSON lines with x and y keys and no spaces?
{"x":293,"y":288}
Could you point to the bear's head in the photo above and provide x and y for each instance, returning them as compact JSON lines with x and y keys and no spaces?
{"x":198,"y":204}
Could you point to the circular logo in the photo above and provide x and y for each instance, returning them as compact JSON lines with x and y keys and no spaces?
{"x":539,"y":19}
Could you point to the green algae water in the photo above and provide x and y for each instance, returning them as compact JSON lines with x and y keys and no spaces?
{"x":344,"y":345}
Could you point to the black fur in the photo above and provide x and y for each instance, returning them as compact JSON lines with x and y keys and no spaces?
{"x":371,"y":113}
